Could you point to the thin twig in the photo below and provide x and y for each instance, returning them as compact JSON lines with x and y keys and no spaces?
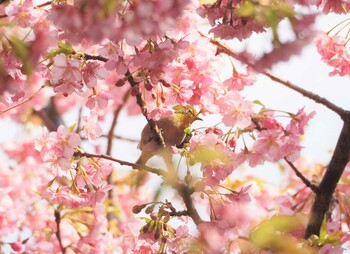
{"x":23,"y":101}
{"x":110,"y":139}
{"x":156,"y":171}
{"x":306,"y":181}
{"x":321,"y":100}
{"x":318,"y":99}
{"x":179,"y":213}
{"x":139,"y":100}
{"x":58,"y":230}
{"x":185,"y":193}
{"x":93,"y":57}
{"x":43,"y":4}
{"x":114,"y":123}
{"x":123,"y":138}
{"x":79,"y":120}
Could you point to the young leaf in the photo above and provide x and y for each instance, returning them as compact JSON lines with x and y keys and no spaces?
{"x":21,"y":49}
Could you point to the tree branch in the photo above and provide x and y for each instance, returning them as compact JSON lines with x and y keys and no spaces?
{"x":318,"y":99}
{"x":110,"y":135}
{"x":183,"y":190}
{"x":155,"y":129}
{"x":321,"y":100}
{"x":330,"y":179}
{"x":338,"y":161}
{"x":156,"y":171}
{"x":306,"y":181}
{"x":110,"y":145}
{"x":23,"y":101}
{"x":123,"y":138}
{"x":185,"y":193}
{"x":58,"y":230}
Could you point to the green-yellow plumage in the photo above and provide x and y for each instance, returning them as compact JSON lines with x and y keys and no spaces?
{"x":173,"y":132}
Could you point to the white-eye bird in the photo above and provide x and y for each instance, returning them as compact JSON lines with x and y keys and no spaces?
{"x":172,"y":129}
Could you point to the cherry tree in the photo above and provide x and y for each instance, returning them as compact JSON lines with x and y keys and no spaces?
{"x":73,"y":72}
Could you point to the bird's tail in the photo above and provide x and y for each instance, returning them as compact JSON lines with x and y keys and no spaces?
{"x":144,"y":157}
{"x":139,"y":178}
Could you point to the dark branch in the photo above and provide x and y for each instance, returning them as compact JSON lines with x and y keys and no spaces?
{"x":99,"y":58}
{"x":58,"y":230}
{"x":123,"y":138}
{"x":306,"y":181}
{"x":223,"y":49}
{"x":110,"y":135}
{"x":110,"y":144}
{"x":179,"y":213}
{"x":159,"y":172}
{"x":139,"y":99}
{"x":185,"y":193}
{"x":321,"y":100}
{"x":329,"y":181}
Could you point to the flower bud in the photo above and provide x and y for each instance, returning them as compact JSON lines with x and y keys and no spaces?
{"x":138,"y":208}
{"x":120,"y":82}
{"x":17,"y":246}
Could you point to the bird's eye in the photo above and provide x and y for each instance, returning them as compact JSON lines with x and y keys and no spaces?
{"x":189,"y":111}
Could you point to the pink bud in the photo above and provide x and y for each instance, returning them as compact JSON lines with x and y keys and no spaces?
{"x":17,"y":246}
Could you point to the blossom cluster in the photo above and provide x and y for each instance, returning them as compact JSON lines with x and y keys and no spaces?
{"x":334,"y":53}
{"x":94,"y":59}
{"x":74,"y":183}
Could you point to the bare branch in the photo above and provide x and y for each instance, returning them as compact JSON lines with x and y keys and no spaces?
{"x":110,"y":135}
{"x":159,"y":172}
{"x":321,"y":100}
{"x":318,"y":99}
{"x":330,"y":180}
{"x":23,"y":101}
{"x":58,"y":230}
{"x":185,"y":193}
{"x":139,"y":100}
{"x":306,"y":181}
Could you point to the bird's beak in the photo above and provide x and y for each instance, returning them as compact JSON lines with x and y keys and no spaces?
{"x":198,"y":118}
{"x":200,"y":111}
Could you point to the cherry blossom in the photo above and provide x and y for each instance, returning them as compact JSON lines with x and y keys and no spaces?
{"x":75,"y":75}
{"x":235,"y":109}
{"x":91,"y":72}
{"x":240,"y":80}
{"x":334,"y":53}
{"x":25,"y":15}
{"x":91,"y":129}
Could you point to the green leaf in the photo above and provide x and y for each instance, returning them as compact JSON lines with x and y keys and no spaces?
{"x":71,"y":128}
{"x":109,"y":6}
{"x":323,"y":230}
{"x":188,"y":130}
{"x":257,"y":102}
{"x":333,"y":239}
{"x":207,"y":155}
{"x":285,"y":10}
{"x":63,"y":48}
{"x":21,"y":49}
{"x":247,"y":9}
{"x":274,"y":234}
{"x":272,"y":21}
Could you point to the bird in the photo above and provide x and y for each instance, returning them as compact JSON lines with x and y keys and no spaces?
{"x":172,"y":129}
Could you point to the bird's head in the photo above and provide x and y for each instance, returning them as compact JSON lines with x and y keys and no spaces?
{"x":185,"y":115}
